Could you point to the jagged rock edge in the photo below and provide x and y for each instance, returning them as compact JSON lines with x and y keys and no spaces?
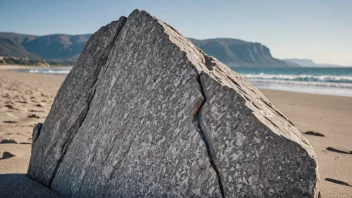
{"x":209,"y":63}
{"x":85,"y":112}
{"x":204,"y":100}
{"x":196,"y":118}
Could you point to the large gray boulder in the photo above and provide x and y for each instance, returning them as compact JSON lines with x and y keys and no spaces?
{"x":145,"y":113}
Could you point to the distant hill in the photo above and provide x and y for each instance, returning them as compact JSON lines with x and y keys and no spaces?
{"x":238,"y":53}
{"x":11,"y":44}
{"x":308,"y":63}
{"x":65,"y":49}
{"x":57,"y":46}
{"x":29,"y":49}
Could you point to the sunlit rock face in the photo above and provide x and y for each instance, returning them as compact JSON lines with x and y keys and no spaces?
{"x":145,"y":113}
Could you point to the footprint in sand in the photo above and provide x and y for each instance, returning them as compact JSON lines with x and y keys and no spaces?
{"x":33,"y":110}
{"x":39,"y":105}
{"x":8,"y":141}
{"x":338,"y":150}
{"x":33,"y":116}
{"x":9,"y":102}
{"x":9,"y":106}
{"x":314,"y":133}
{"x":33,"y":99}
{"x":7,"y":155}
{"x":9,"y":121}
{"x":20,"y":101}
{"x":337,"y":182}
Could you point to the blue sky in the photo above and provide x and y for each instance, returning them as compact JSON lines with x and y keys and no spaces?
{"x":320,"y":30}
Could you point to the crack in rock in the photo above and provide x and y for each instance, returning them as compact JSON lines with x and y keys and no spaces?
{"x":65,"y":146}
{"x":194,"y":130}
{"x":204,"y":137}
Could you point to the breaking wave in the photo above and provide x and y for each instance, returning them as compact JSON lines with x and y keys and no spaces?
{"x":302,"y":83}
{"x":301,"y":78}
{"x":58,"y":71}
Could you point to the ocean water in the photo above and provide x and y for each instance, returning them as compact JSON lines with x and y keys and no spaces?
{"x":55,"y":71}
{"x":327,"y":81}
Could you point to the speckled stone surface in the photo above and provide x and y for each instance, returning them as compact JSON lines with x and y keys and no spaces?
{"x":144,"y":113}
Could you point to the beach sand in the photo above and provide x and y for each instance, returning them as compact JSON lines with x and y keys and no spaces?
{"x":25,"y":100}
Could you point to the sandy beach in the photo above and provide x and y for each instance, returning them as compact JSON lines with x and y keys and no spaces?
{"x":25,"y":99}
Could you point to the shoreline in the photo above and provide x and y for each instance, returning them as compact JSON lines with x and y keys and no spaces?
{"x":12,"y":68}
{"x":341,"y":89}
{"x":325,"y":114}
{"x":15,"y":67}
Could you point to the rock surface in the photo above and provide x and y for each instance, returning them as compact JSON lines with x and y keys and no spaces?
{"x":145,"y":113}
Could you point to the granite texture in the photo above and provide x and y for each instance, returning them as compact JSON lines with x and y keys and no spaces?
{"x":145,"y":113}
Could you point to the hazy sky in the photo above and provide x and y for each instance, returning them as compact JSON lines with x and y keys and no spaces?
{"x":316,"y":29}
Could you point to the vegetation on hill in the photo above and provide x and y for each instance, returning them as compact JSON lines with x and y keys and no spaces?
{"x":6,"y":60}
{"x":63,"y":49}
{"x":237,"y":53}
{"x":11,"y":45}
{"x":57,"y":46}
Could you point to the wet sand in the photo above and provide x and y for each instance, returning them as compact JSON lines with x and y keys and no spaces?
{"x":25,"y":99}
